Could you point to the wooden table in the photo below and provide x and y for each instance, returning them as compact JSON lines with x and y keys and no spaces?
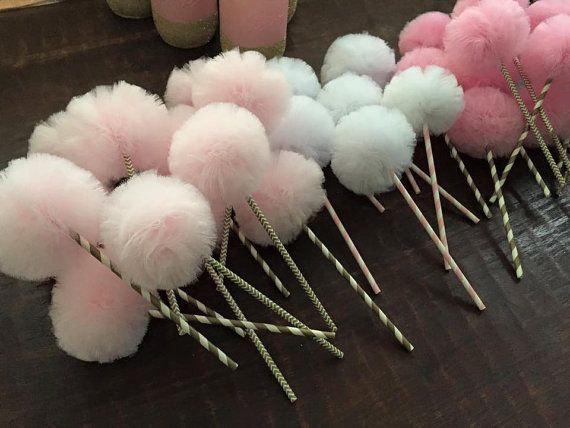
{"x":507,"y":366}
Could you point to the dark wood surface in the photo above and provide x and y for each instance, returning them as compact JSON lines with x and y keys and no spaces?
{"x":508,"y":366}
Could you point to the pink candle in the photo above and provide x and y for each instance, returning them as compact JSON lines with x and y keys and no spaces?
{"x":134,"y":9}
{"x":185,"y":23}
{"x":259,"y":25}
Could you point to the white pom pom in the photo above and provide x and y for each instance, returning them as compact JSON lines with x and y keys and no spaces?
{"x":430,"y":96}
{"x":307,"y":128}
{"x":348,"y":93}
{"x":299,"y":74}
{"x":361,"y":54}
{"x":370,"y":145}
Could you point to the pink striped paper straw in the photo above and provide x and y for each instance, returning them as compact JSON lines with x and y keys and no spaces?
{"x":444,"y":251}
{"x":413,"y":181}
{"x":435,"y":191}
{"x":376,"y":203}
{"x":352,"y":247}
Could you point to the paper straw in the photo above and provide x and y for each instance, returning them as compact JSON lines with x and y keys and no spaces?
{"x":444,"y":252}
{"x":537,"y":177}
{"x":460,"y":207}
{"x":273,"y":368}
{"x":376,"y":203}
{"x":258,"y":295}
{"x":435,"y":192}
{"x":455,"y":155}
{"x":413,"y":181}
{"x":505,"y":216}
{"x":359,"y":290}
{"x":157,"y":303}
{"x":539,"y":102}
{"x":531,"y":122}
{"x":290,"y":262}
{"x":205,"y":309}
{"x":355,"y":253}
{"x":253,"y":251}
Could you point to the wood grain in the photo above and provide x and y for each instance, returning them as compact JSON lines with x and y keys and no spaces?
{"x":508,"y":366}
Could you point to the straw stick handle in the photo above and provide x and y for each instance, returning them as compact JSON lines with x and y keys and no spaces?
{"x":413,"y":181}
{"x":359,"y":290}
{"x":444,"y":252}
{"x":352,"y":247}
{"x":376,"y":203}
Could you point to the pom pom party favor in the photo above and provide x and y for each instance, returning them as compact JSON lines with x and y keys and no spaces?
{"x":300,"y":75}
{"x":425,"y":31}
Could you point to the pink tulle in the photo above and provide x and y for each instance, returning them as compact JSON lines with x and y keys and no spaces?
{"x":425,"y":31}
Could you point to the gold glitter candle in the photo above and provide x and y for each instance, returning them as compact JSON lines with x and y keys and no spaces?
{"x":292,"y":9}
{"x":134,"y":9}
{"x":185,"y":23}
{"x":259,"y":25}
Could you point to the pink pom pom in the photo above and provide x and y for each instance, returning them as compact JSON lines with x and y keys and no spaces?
{"x":547,"y":54}
{"x":422,"y":57}
{"x":179,"y":85}
{"x":490,"y":119}
{"x":42,"y":198}
{"x":463,"y":5}
{"x":291,"y":193}
{"x":476,"y":78}
{"x":223,"y":150}
{"x":542,"y":10}
{"x":425,"y":31}
{"x":179,"y":115}
{"x":97,"y":128}
{"x":96,"y":316}
{"x":484,"y":36}
{"x":243,"y":79}
{"x":158,"y":231}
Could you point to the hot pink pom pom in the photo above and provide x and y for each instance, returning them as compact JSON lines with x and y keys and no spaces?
{"x":223,"y":150}
{"x":97,"y":128}
{"x":425,"y":31}
{"x":542,"y":10}
{"x":42,"y":198}
{"x":243,"y":79}
{"x":95,"y":315}
{"x":462,"y":5}
{"x":490,"y":119}
{"x":422,"y":57}
{"x":484,"y":36}
{"x":291,"y":193}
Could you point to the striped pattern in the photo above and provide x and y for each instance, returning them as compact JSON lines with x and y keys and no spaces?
{"x":460,"y":207}
{"x":129,"y":165}
{"x":258,"y":295}
{"x":376,"y":203}
{"x":413,"y":181}
{"x":252,"y":250}
{"x":470,"y":181}
{"x":158,"y":304}
{"x":359,"y":290}
{"x":355,"y":253}
{"x":205,"y":309}
{"x":532,"y":123}
{"x":250,"y":333}
{"x":537,"y":177}
{"x":292,"y":265}
{"x":435,"y":192}
{"x":425,"y":224}
{"x":171,"y":296}
{"x":539,"y":105}
{"x":505,"y":216}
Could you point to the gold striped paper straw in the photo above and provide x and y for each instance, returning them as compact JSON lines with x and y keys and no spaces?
{"x":258,"y":295}
{"x":359,"y":290}
{"x":435,"y":192}
{"x":470,"y":182}
{"x":291,"y":263}
{"x":444,"y":252}
{"x":257,"y":257}
{"x":376,"y":203}
{"x":413,"y":181}
{"x":157,"y":303}
{"x":505,"y":216}
{"x":460,"y":207}
{"x":352,"y":247}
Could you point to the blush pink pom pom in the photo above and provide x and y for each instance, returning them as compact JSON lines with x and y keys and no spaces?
{"x":491,"y":119}
{"x":179,"y":115}
{"x":97,"y":128}
{"x":179,"y":85}
{"x":425,"y":31}
{"x":484,"y":36}
{"x":158,"y":231}
{"x":96,"y":316}
{"x":243,"y":79}
{"x":542,"y":10}
{"x":422,"y":57}
{"x":463,"y":5}
{"x":223,"y":150}
{"x":291,"y":193}
{"x":42,"y":197}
